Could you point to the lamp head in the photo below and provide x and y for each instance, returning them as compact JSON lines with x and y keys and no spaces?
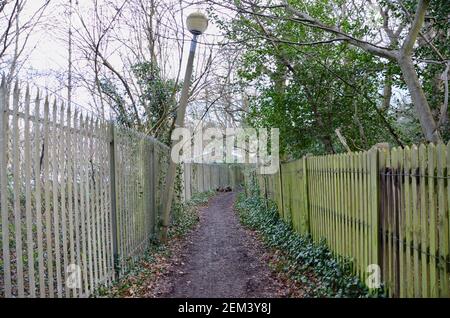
{"x":197,"y":23}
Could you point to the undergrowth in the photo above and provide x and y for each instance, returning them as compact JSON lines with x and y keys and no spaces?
{"x":187,"y":217}
{"x":150,"y":266}
{"x":304,"y":261}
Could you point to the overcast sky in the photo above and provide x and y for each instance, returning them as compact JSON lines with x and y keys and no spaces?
{"x":47,"y":62}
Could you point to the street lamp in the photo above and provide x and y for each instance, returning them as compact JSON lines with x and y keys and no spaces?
{"x":197,"y":23}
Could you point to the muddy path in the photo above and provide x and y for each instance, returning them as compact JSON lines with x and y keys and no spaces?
{"x":221,"y":259}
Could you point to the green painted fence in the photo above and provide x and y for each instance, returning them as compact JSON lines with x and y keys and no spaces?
{"x":384,"y":207}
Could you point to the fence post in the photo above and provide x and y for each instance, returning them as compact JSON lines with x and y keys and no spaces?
{"x":152,"y":179}
{"x":280,"y":180}
{"x":3,"y":188}
{"x":265,"y":192}
{"x":306,"y":196}
{"x":114,"y":228}
{"x":375,"y":206}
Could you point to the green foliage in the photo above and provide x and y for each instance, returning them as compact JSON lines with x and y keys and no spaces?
{"x":118,"y":102}
{"x":309,"y":86}
{"x":201,"y":198}
{"x":311,"y":105}
{"x":309,"y":91}
{"x":187,"y":217}
{"x":156,"y":98}
{"x":156,"y":103}
{"x":333,"y":278}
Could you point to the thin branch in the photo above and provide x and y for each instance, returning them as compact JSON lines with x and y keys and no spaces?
{"x":312,"y":22}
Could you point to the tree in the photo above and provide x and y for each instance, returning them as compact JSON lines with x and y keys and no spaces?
{"x":309,"y":91}
{"x":345,"y":23}
{"x":154,"y":98}
{"x":16,"y":26}
{"x":135,"y":63}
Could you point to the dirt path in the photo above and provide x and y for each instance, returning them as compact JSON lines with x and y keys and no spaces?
{"x":221,"y":259}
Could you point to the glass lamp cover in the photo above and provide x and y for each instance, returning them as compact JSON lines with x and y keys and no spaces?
{"x":197,"y":23}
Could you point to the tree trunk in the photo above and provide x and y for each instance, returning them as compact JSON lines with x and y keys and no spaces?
{"x":387,"y":92}
{"x":328,"y":143}
{"x":419,"y":100}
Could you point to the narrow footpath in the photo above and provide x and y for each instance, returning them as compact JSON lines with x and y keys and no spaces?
{"x":221,"y":259}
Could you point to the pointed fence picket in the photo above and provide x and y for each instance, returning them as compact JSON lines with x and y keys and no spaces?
{"x":388,"y":208}
{"x":80,"y":197}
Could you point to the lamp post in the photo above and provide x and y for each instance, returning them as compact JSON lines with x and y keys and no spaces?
{"x":197,"y":24}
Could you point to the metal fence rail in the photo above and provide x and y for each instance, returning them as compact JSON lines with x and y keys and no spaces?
{"x":80,"y":197}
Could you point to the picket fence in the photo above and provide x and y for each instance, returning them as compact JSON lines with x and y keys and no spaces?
{"x":80,"y":197}
{"x":389,"y":208}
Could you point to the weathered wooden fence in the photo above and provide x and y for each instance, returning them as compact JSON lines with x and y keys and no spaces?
{"x":206,"y":177}
{"x":139,"y":165}
{"x":388,"y":208}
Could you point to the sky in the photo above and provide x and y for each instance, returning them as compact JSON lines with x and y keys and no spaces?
{"x":47,"y":59}
{"x":47,"y":55}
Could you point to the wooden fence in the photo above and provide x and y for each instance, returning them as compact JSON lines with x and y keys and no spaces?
{"x":388,"y":208}
{"x":206,"y":177}
{"x":80,"y":197}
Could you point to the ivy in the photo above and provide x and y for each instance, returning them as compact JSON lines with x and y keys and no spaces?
{"x":187,"y":217}
{"x":303,"y":257}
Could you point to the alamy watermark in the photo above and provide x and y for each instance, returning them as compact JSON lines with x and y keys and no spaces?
{"x":230,"y":145}
{"x":373,"y":280}
{"x":73,"y":274}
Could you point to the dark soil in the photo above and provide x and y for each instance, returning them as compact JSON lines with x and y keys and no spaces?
{"x":221,"y":259}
